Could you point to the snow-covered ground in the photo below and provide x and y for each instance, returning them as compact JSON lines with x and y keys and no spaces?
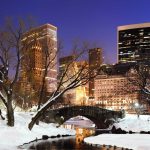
{"x":132,"y":141}
{"x":133,"y":123}
{"x":11,"y":137}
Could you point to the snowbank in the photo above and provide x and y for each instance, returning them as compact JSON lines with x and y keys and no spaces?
{"x":131,"y":141}
{"x":11,"y":137}
{"x":132,"y":123}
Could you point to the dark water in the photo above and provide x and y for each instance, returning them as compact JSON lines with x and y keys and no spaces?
{"x":68,"y":143}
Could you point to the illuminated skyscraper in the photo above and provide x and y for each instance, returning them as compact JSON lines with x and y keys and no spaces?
{"x":133,"y":43}
{"x":43,"y":40}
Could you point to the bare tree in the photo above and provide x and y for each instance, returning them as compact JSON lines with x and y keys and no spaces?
{"x":23,"y":99}
{"x":10,"y":58}
{"x":68,"y":81}
{"x":49,"y":62}
{"x":139,"y":76}
{"x":139,"y":80}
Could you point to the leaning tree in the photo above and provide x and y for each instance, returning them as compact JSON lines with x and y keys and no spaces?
{"x":71,"y":77}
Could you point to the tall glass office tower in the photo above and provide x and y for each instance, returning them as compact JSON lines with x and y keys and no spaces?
{"x":133,"y":43}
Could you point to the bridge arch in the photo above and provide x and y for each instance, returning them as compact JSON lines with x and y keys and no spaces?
{"x":98,"y":116}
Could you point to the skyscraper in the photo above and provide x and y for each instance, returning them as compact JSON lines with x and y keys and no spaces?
{"x":95,"y":60}
{"x":41,"y":50}
{"x":133,"y":43}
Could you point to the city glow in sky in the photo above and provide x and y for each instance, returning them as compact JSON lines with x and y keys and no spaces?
{"x":92,"y":20}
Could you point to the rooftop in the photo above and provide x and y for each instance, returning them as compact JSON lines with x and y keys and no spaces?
{"x":134,"y":26}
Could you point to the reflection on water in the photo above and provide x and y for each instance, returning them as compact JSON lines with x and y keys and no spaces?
{"x":68,"y":143}
{"x":84,"y":128}
{"x":81,"y":133}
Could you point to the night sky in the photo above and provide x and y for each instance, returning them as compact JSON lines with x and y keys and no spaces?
{"x":92,"y":20}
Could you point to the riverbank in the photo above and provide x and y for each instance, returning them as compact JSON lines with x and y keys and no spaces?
{"x":131,"y":141}
{"x":11,"y":137}
{"x":131,"y":123}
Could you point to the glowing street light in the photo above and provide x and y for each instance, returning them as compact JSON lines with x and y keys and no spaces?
{"x":136,"y":105}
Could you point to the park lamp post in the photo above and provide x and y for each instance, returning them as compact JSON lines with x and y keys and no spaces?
{"x":136,"y":105}
{"x":137,"y":108}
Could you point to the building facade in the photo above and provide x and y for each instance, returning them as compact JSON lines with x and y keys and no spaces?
{"x":78,"y":95}
{"x":111,"y":93}
{"x":95,"y":61}
{"x":133,"y":43}
{"x":40,"y":58}
{"x":114,"y":89}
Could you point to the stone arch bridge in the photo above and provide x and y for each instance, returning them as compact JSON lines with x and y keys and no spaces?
{"x":101,"y":117}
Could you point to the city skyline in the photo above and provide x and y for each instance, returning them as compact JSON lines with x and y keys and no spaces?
{"x":95,"y":21}
{"x":61,"y":84}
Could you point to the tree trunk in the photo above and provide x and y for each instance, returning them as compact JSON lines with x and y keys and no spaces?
{"x":40,"y":99}
{"x":42,"y":89}
{"x":10,"y":113}
{"x":37,"y":116}
{"x":41,"y":95}
{"x":42,"y":110}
